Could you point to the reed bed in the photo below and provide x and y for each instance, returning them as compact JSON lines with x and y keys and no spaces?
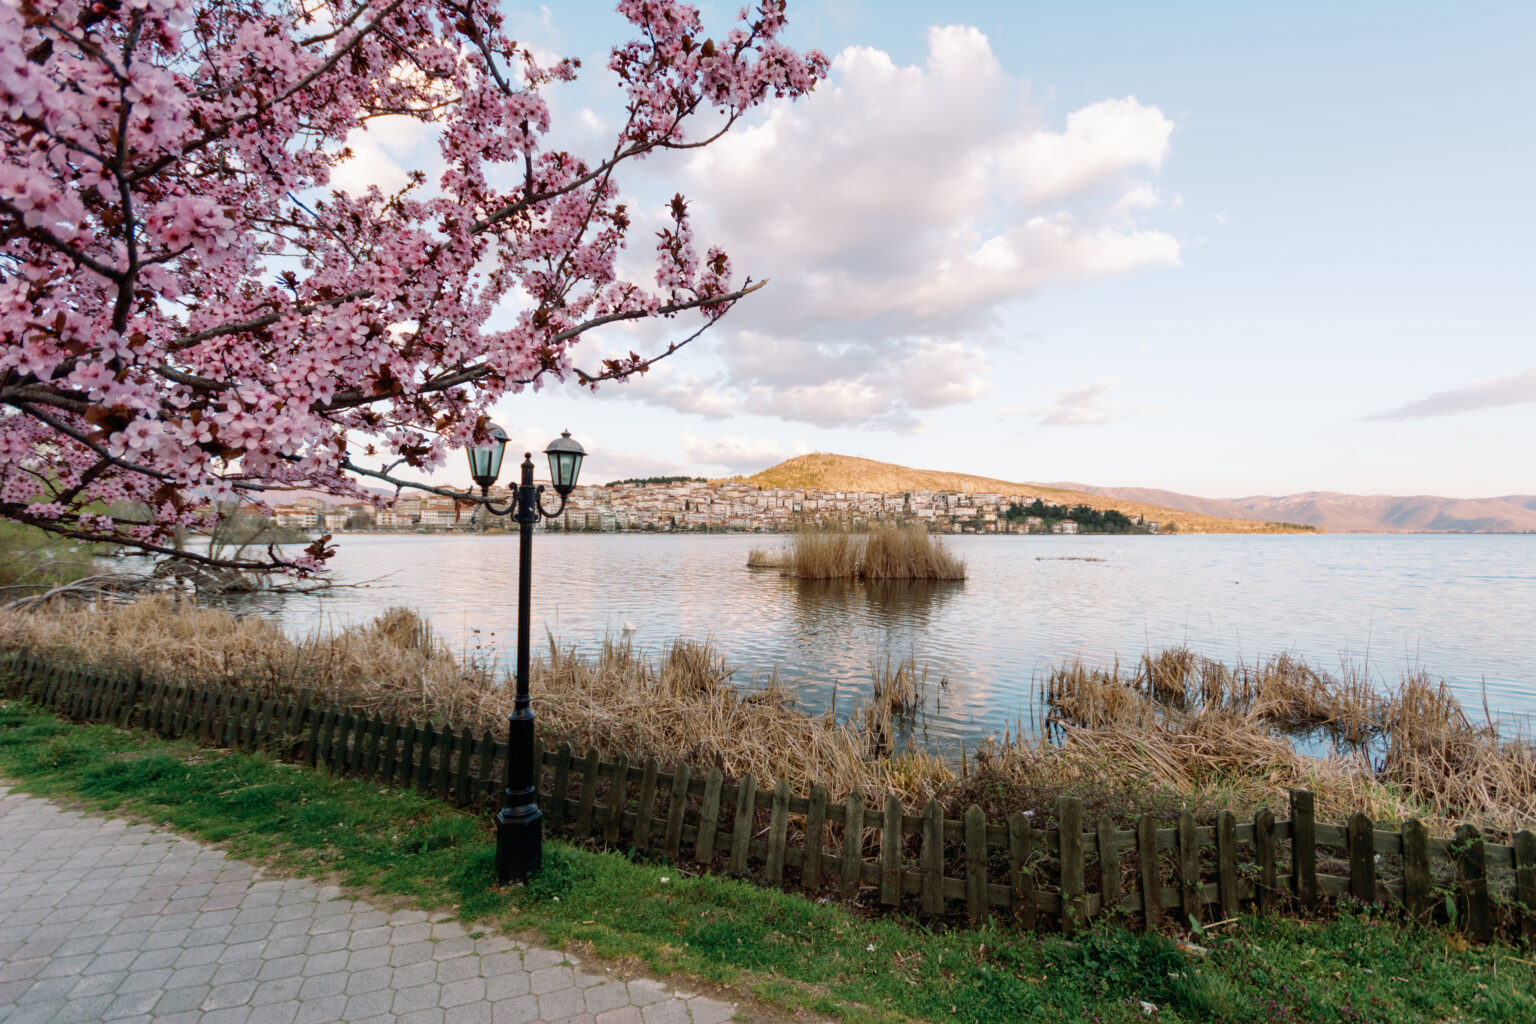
{"x":1173,"y":731}
{"x":887,"y":553}
{"x":682,"y":704}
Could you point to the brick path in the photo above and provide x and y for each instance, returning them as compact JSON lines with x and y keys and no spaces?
{"x":106,"y":921}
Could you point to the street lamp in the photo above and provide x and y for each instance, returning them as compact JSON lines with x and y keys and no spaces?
{"x":519,"y":823}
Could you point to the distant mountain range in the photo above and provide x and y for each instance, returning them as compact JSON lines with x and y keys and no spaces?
{"x":1329,"y":510}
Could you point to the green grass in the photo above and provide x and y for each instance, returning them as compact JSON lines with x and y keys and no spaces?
{"x":785,"y":950}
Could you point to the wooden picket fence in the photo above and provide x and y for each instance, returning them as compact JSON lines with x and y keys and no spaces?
{"x":924,"y":864}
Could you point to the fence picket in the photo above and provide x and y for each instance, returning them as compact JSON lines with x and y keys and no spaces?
{"x":645,"y":811}
{"x":709,"y":818}
{"x":1070,"y":813}
{"x":1264,"y":853}
{"x":618,"y":796}
{"x":1472,"y":864}
{"x":1226,"y":863}
{"x":853,"y":844}
{"x":677,"y":804}
{"x":1416,"y":881}
{"x":975,"y":864}
{"x":485,"y":768}
{"x":562,"y":784}
{"x":1189,"y":867}
{"x":1525,"y":883}
{"x":443,"y":777}
{"x":588,"y":793}
{"x":890,"y":854}
{"x":1362,"y":857}
{"x":427,"y":734}
{"x":741,"y":832}
{"x":1021,"y":877}
{"x":464,"y":763}
{"x":1303,"y":848}
{"x":1151,"y":873}
{"x":932,"y":858}
{"x":778,"y":828}
{"x":815,"y":838}
{"x":1110,"y":887}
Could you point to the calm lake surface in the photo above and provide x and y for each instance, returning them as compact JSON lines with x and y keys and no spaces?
{"x":1461,"y":607}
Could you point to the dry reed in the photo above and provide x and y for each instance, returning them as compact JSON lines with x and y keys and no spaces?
{"x":1176,"y":729}
{"x":888,"y":553}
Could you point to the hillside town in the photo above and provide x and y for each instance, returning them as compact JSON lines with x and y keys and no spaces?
{"x":708,"y":506}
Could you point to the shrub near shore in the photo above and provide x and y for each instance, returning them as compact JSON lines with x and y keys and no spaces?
{"x":1126,"y":743}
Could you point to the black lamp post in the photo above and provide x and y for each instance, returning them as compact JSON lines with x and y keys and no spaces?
{"x":519,"y":823}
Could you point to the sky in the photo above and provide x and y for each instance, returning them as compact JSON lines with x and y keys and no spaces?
{"x":1223,"y":249}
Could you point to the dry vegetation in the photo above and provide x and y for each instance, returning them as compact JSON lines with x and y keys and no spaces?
{"x":1177,"y":730}
{"x":887,"y":553}
{"x":846,"y":473}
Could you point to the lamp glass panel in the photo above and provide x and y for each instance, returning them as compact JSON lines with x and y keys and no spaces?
{"x":485,"y":459}
{"x":563,"y":467}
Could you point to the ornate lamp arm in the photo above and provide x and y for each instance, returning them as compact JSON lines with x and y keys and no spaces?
{"x":539,"y":501}
{"x":491,"y":507}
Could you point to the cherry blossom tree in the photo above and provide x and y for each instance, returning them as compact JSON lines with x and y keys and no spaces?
{"x":190,"y":315}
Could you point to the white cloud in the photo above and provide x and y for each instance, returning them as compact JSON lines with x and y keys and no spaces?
{"x":738,"y":454}
{"x":1082,"y":406}
{"x":1490,"y":392}
{"x":897,"y":210}
{"x":899,"y":200}
{"x":826,"y":384}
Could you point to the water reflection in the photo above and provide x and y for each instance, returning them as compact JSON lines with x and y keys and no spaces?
{"x":1458,"y":606}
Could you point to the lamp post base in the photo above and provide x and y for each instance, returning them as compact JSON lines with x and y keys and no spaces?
{"x":519,"y":843}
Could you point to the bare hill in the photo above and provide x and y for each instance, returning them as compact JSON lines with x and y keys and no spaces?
{"x":1372,"y":513}
{"x":846,"y":473}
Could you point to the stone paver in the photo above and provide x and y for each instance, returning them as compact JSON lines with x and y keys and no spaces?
{"x":101,"y":920}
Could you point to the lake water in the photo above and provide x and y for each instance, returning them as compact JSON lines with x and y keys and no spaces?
{"x":1461,"y":607}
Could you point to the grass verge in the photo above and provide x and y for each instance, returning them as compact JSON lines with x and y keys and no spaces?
{"x":785,"y":951}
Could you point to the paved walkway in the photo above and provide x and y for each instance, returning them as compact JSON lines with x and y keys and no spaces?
{"x":106,"y":921}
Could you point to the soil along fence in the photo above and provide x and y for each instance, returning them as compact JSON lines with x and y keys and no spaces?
{"x":1155,"y":873}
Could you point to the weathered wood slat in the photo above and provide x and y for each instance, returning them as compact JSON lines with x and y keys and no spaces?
{"x":932,"y":858}
{"x":1471,"y":863}
{"x":1226,"y":862}
{"x":1109,"y":863}
{"x":452,"y":744}
{"x":561,"y":785}
{"x":741,"y":832}
{"x":618,"y":795}
{"x":588,"y":793}
{"x":1417,"y":896}
{"x":1362,"y":857}
{"x":890,"y":853}
{"x":815,"y":837}
{"x":1189,"y":867}
{"x":1151,"y":873}
{"x":1524,"y":848}
{"x":1073,"y":886}
{"x":709,"y":817}
{"x":677,"y":804}
{"x":1303,"y":848}
{"x":429,"y":739}
{"x":853,"y":844}
{"x":1021,"y":874}
{"x":975,"y":864}
{"x":646,"y":809}
{"x":1264,"y":855}
{"x":778,"y":833}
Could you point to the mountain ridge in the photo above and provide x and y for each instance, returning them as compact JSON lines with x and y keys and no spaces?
{"x":832,"y":472}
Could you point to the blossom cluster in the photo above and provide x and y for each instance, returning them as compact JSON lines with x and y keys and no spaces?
{"x":190,"y":314}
